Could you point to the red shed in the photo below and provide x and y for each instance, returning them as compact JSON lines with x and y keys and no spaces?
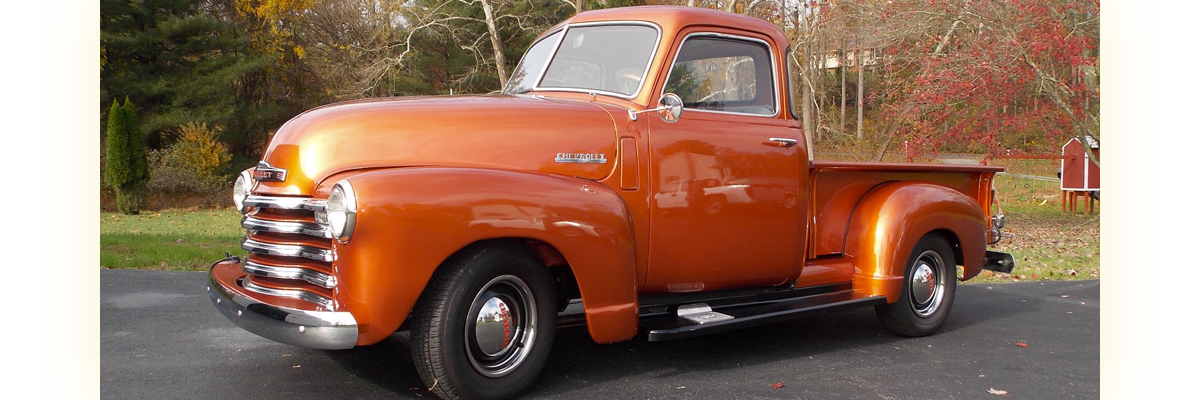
{"x":1079,"y":173}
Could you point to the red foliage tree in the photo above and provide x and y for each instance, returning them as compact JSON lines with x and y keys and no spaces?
{"x":998,"y":74}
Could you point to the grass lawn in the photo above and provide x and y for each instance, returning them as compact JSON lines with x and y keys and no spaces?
{"x":169,"y":240}
{"x":1046,"y":243}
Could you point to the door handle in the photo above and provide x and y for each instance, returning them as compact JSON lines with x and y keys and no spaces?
{"x":780,"y":142}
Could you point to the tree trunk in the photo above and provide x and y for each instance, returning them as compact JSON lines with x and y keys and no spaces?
{"x":842,"y":65}
{"x":821,"y":72}
{"x":806,"y":109}
{"x":858,"y":60}
{"x":497,"y":46}
{"x":887,"y":141}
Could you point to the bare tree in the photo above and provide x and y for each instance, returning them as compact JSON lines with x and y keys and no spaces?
{"x":481,"y":27}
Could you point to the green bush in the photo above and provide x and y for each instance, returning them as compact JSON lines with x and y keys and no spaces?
{"x":126,"y":166}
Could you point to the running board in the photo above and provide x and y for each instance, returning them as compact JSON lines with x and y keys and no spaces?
{"x":698,"y":319}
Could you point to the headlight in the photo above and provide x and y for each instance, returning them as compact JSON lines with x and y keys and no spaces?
{"x":241,"y":190}
{"x":339,"y":211}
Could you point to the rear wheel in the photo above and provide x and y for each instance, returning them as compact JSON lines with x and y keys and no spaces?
{"x":485,"y":325}
{"x":929,"y":283}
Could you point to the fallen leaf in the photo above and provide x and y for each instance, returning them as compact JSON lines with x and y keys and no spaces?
{"x":998,"y":392}
{"x":777,"y":385}
{"x":1022,"y":344}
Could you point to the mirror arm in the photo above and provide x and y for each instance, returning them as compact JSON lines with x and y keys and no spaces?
{"x":633,"y":114}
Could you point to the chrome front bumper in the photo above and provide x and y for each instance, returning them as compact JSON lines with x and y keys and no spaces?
{"x":312,"y":329}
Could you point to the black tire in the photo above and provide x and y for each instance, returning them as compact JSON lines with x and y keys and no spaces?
{"x":924,"y":313}
{"x":504,"y":283}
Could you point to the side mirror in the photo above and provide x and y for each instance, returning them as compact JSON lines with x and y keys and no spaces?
{"x":670,"y":107}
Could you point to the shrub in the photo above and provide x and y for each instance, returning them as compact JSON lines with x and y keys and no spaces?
{"x":125,"y":167}
{"x":193,"y":166}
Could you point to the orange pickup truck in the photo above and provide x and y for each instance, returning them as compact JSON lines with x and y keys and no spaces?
{"x":642,"y":162}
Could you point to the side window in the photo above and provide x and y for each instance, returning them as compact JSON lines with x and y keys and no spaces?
{"x":718,"y":73}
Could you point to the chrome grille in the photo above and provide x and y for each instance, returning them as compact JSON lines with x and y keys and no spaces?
{"x":291,"y":254}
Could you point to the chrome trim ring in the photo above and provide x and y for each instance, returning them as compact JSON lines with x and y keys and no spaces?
{"x":246,"y":184}
{"x":301,"y":228}
{"x":927,"y":284}
{"x":285,"y":203}
{"x":351,"y":211}
{"x":317,"y":278}
{"x":311,"y":329}
{"x":501,"y":327}
{"x":287,"y":250}
{"x":310,"y":297}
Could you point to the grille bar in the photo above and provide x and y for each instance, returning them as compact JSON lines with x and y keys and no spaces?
{"x":291,"y":293}
{"x":285,"y":203}
{"x":317,"y":278}
{"x":287,"y":250}
{"x":300,"y":228}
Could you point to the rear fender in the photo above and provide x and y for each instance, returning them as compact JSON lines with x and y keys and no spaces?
{"x":891,"y":218}
{"x":410,"y":220}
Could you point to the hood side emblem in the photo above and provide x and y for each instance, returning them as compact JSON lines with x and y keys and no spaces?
{"x":265,"y":172}
{"x":580,"y":158}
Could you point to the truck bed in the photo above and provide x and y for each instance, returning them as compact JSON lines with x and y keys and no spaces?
{"x":836,"y":187}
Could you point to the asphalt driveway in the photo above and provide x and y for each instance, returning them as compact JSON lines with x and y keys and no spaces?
{"x":160,"y":338}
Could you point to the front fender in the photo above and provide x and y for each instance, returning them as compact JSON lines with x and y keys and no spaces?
{"x":890,"y":219}
{"x":410,"y":220}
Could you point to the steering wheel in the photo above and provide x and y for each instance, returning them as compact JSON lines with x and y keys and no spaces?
{"x":553,"y":82}
{"x":628,"y":82}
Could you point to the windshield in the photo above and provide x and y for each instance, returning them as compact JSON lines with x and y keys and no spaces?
{"x":594,"y":58}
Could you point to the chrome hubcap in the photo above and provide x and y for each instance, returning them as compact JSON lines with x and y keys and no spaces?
{"x":501,"y":326}
{"x":927,"y":286}
{"x":493,"y":327}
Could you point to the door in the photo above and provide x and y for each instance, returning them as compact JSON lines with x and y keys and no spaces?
{"x":726,"y":177}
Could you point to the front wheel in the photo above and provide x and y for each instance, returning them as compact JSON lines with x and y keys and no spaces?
{"x":485,"y":325}
{"x":929,"y":283}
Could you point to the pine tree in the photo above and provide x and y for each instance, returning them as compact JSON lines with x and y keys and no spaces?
{"x":126,"y":170}
{"x":180,"y":64}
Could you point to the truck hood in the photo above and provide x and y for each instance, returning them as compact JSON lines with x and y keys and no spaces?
{"x":519,"y":132}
